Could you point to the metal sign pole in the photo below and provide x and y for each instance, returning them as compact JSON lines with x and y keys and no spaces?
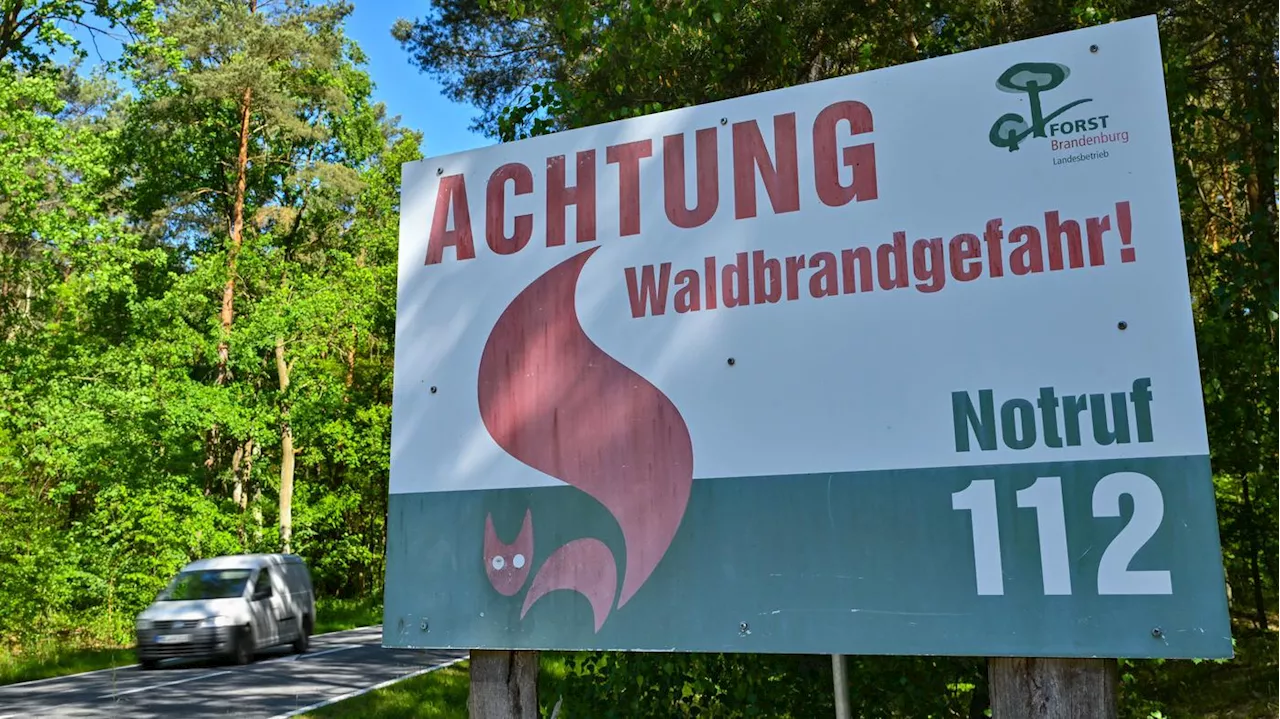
{"x":840,"y":680}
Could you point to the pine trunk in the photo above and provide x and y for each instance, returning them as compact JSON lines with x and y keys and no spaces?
{"x":236,"y":240}
{"x":286,"y":488}
{"x":1260,"y":197}
{"x":237,"y":458}
{"x":504,"y":685}
{"x":1251,"y":541}
{"x":242,"y":481}
{"x":227,"y":314}
{"x":242,"y":469}
{"x":350,"y":379}
{"x":286,"y":453}
{"x":238,"y":462}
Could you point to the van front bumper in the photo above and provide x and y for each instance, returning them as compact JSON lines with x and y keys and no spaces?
{"x":174,"y":643}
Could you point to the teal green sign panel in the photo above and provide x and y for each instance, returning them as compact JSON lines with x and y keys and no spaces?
{"x":1102,"y":558}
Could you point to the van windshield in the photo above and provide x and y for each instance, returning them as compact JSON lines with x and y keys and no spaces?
{"x":206,"y":584}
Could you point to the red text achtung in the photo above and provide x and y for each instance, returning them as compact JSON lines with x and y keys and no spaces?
{"x":777,"y":168}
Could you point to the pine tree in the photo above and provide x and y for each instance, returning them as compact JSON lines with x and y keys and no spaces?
{"x":234,"y":149}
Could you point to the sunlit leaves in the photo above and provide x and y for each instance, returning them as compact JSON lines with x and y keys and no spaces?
{"x":112,"y":262}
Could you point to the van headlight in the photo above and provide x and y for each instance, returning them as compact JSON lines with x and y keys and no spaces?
{"x":218,"y":621}
{"x":142,"y":625}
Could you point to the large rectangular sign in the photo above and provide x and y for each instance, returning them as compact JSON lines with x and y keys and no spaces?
{"x":895,"y":363}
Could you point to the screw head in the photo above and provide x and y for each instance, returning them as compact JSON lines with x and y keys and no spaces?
{"x":724,"y":121}
{"x":1122,"y":325}
{"x":433,"y":389}
{"x":1157,"y":632}
{"x":743,"y":627}
{"x":1093,"y":48}
{"x":732,"y":361}
{"x":439,"y":170}
{"x":423,"y":625}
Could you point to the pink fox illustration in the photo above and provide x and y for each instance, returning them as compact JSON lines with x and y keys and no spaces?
{"x":508,"y":564}
{"x":558,"y":403}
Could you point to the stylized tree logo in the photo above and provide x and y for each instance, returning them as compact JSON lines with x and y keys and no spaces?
{"x":1032,"y":78}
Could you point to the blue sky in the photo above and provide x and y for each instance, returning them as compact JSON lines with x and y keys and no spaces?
{"x":414,"y":96}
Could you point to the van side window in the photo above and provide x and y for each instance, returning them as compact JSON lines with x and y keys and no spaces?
{"x":263,"y":583}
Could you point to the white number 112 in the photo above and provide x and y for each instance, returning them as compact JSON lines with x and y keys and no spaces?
{"x":1045,"y":497}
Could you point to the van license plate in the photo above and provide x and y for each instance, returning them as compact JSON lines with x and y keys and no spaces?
{"x":173,"y":638}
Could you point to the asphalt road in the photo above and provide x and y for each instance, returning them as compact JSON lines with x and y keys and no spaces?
{"x":277,"y":685}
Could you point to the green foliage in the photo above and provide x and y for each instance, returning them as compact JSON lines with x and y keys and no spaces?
{"x":336,"y":614}
{"x":33,"y":29}
{"x":113,"y":261}
{"x":615,"y":684}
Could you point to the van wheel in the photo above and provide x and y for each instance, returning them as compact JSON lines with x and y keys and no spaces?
{"x":304,"y":636}
{"x":149,"y":664}
{"x":242,"y":647}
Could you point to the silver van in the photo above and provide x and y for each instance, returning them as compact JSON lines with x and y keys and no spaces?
{"x":229,"y":607}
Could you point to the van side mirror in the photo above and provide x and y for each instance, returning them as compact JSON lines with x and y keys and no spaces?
{"x":262,"y":592}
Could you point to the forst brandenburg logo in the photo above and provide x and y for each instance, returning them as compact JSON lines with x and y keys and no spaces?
{"x":1036,"y":79}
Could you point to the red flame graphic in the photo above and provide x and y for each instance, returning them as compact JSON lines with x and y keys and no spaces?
{"x":557,"y":402}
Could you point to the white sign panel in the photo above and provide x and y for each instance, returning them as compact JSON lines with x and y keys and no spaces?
{"x":967,"y":264}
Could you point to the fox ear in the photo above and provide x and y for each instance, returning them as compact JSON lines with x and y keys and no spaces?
{"x":492,"y":543}
{"x":522,"y":544}
{"x":525,"y":538}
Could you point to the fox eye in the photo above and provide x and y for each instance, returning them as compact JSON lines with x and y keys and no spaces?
{"x":498,"y":562}
{"x":518,"y":561}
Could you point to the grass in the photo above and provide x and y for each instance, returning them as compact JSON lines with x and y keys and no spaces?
{"x":441,"y":694}
{"x":334,"y":615}
{"x":55,"y":657}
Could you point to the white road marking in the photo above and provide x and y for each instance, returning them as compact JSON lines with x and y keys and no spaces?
{"x":46,"y":680}
{"x":347,"y":631}
{"x":366,"y":690}
{"x":310,"y":655}
{"x":149,"y":687}
{"x":294,"y":657}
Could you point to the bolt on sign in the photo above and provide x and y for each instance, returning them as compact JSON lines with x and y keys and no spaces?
{"x":895,"y":363}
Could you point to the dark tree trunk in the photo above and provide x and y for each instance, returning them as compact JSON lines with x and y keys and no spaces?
{"x":1255,"y":573}
{"x":504,"y":685}
{"x":1053,"y":688}
{"x":980,"y":702}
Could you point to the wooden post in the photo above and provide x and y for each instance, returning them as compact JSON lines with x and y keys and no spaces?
{"x":1052,"y":688}
{"x":840,"y":680}
{"x":504,"y":685}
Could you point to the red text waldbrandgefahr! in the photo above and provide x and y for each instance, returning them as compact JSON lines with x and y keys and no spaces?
{"x":754,"y":278}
